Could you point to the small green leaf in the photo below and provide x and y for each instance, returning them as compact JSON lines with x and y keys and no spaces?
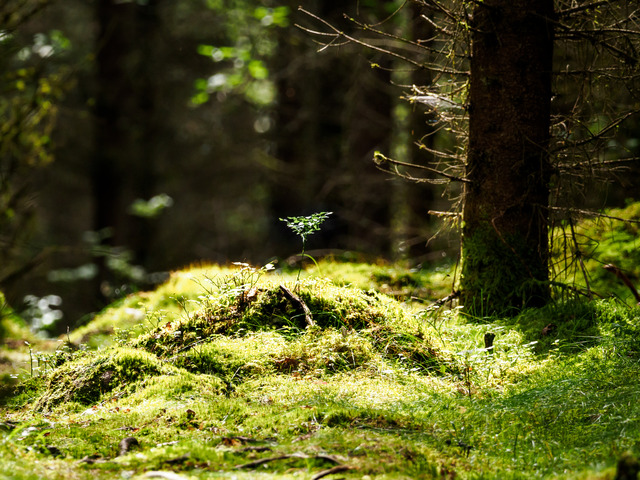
{"x":206,"y":50}
{"x":257,"y":70}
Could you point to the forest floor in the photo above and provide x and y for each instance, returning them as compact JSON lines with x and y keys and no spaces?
{"x":350,"y":372}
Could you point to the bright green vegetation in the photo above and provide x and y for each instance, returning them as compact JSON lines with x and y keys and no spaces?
{"x":602,"y":241}
{"x":221,"y":368}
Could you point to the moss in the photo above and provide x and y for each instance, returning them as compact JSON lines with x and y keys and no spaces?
{"x":268,"y":334}
{"x":240,"y":386}
{"x":326,"y":351}
{"x":567,"y":326}
{"x":269,"y":309}
{"x":87,"y":379}
{"x":234,"y":358}
{"x":335,"y":306}
{"x":175,"y":387}
{"x":348,"y":302}
{"x":393,"y":280}
{"x":500,"y":274}
{"x":237,"y":335}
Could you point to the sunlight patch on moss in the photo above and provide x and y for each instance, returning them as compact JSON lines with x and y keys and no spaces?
{"x":388,"y":279}
{"x":88,"y":378}
{"x":393,"y":391}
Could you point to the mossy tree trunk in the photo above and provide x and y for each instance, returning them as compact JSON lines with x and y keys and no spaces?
{"x":505,"y":230}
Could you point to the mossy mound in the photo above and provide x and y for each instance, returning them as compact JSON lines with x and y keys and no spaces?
{"x":86,"y":380}
{"x":347,"y":322}
{"x":185,"y":289}
{"x":234,"y":331}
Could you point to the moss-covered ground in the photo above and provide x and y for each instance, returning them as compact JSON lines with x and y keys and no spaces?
{"x":235,"y":372}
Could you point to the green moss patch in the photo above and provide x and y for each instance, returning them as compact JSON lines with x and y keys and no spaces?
{"x":89,"y":379}
{"x":349,"y":326}
{"x":228,"y":378}
{"x":427,"y":284}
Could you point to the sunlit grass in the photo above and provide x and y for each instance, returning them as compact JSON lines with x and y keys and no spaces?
{"x":219,"y":369}
{"x":427,"y":284}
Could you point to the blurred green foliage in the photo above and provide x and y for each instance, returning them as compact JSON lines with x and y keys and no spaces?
{"x":243,"y":68}
{"x":29,"y":95}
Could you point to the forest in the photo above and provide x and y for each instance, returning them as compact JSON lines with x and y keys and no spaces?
{"x":344,"y":239}
{"x":180,"y":132}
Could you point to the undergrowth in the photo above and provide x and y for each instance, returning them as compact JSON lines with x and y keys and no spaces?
{"x":581,"y":252}
{"x":222,"y":373}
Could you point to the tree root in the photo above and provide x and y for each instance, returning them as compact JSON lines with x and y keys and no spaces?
{"x":299,"y":305}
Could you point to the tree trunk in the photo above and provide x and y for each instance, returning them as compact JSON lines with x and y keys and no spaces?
{"x":333,"y":112}
{"x":505,"y":230}
{"x":125,"y":122}
{"x":115,"y":97}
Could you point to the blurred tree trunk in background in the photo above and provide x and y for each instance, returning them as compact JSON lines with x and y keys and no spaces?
{"x":148,"y":122}
{"x":410,"y":201}
{"x":506,"y":217}
{"x":29,"y":94}
{"x":302,"y":85}
{"x":126,"y":123}
{"x":333,"y":112}
{"x":371,"y":96}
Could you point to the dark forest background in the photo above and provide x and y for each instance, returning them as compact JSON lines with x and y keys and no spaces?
{"x":142,"y":136}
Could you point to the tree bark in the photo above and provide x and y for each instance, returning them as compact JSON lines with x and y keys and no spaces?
{"x":115,"y":99}
{"x":333,"y":112}
{"x":126,"y":123}
{"x":505,"y":230}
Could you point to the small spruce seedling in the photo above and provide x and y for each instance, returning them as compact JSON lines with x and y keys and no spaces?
{"x":305,"y":226}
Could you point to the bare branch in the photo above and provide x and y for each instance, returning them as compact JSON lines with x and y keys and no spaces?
{"x":442,"y":9}
{"x":436,"y":213}
{"x":602,"y":31}
{"x":593,"y":36}
{"x":596,"y":136}
{"x":591,"y":213}
{"x":412,"y":179}
{"x":399,"y":39}
{"x":381,"y":161}
{"x":437,"y":27}
{"x":607,"y":165}
{"x":578,"y":254}
{"x":439,"y":153}
{"x":571,"y":11}
{"x":340,"y":34}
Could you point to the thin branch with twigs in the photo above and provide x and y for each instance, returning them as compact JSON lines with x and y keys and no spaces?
{"x":381,"y":160}
{"x":338,"y":34}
